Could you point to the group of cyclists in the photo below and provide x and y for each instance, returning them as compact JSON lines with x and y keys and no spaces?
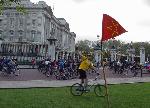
{"x":8,"y":66}
{"x":124,"y":66}
{"x":66,"y":68}
{"x":61,"y":69}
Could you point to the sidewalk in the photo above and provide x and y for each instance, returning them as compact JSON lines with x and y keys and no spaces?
{"x":26,"y":66}
{"x":63,"y":83}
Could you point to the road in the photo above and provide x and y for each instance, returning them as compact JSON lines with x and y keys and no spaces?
{"x":34,"y":74}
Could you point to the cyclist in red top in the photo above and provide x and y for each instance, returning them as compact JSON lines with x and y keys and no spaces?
{"x":33,"y":63}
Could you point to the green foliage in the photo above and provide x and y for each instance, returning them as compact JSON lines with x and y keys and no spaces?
{"x":21,"y":9}
{"x":83,"y":45}
{"x":4,"y":3}
{"x":119,"y":45}
{"x":110,"y":43}
{"x":137,"y":46}
{"x":8,"y":1}
{"x":14,"y":1}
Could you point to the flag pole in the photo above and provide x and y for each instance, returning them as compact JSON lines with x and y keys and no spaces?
{"x":108,"y":103}
{"x":110,"y":29}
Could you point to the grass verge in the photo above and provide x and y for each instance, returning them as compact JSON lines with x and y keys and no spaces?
{"x":121,"y":96}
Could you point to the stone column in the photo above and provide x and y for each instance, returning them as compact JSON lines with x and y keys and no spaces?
{"x":142,"y":55}
{"x":51,"y":48}
{"x":1,"y":40}
{"x":129,"y":57}
{"x":15,"y":49}
{"x":96,"y":56}
{"x":43,"y":49}
{"x":113,"y":55}
{"x":132,"y":54}
{"x":56,"y":55}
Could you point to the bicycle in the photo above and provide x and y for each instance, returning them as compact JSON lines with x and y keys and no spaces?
{"x":78,"y":89}
{"x":7,"y":71}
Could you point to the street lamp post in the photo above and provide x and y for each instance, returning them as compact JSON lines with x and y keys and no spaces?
{"x":97,"y":51}
{"x":131,"y":52}
{"x":97,"y":54}
{"x":1,"y":40}
{"x":113,"y":54}
{"x":142,"y":54}
{"x":51,"y":48}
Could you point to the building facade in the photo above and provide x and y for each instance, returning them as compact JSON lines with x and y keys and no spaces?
{"x":28,"y":32}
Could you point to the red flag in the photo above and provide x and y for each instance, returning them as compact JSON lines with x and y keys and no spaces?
{"x":110,"y":28}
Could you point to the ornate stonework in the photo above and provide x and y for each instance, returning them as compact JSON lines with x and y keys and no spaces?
{"x":36,"y":26}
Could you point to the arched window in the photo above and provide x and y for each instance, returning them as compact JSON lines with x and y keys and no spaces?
{"x":20,"y":22}
{"x":1,"y":22}
{"x":33,"y":22}
{"x":11,"y":33}
{"x":20,"y":32}
{"x":1,"y":32}
{"x":33,"y":32}
{"x":12,"y":22}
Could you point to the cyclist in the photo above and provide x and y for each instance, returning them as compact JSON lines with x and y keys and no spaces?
{"x":83,"y":67}
{"x":33,"y":61}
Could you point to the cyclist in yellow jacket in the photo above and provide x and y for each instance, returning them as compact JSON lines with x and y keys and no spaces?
{"x":84,"y":66}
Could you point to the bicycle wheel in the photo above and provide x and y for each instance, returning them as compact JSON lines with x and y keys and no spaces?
{"x":100,"y":90}
{"x":76,"y":89}
{"x":58,"y":77}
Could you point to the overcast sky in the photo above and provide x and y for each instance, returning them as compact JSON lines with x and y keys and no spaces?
{"x":85,"y":17}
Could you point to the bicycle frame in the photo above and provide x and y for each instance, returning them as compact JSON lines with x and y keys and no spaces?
{"x":93,"y":83}
{"x":78,"y":89}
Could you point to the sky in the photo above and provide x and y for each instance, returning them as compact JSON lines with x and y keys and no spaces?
{"x":85,"y":17}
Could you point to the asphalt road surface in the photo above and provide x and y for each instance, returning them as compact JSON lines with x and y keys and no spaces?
{"x":34,"y":74}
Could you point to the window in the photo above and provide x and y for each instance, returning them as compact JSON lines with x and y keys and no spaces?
{"x":33,"y":22}
{"x":7,"y":14}
{"x":20,"y":22}
{"x":52,"y":31}
{"x":39,"y":24}
{"x":11,"y":32}
{"x":20,"y":33}
{"x":1,"y":33}
{"x":39,"y":33}
{"x":28,"y":24}
{"x":11,"y":35}
{"x":12,"y":22}
{"x":17,"y":14}
{"x":20,"y":39}
{"x":0,"y":22}
{"x":33,"y":32}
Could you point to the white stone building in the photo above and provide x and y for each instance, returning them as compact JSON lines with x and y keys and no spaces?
{"x":34,"y":28}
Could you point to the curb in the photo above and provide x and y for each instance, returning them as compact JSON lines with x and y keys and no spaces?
{"x":65,"y":83}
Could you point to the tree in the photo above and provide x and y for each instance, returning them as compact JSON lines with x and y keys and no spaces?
{"x":121,"y":47}
{"x":4,"y":3}
{"x":8,"y":2}
{"x":137,"y":46}
{"x":83,"y":45}
{"x":110,"y":43}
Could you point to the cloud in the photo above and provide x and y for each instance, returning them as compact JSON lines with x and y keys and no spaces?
{"x":147,"y":2}
{"x":80,"y":1}
{"x":144,"y":23}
